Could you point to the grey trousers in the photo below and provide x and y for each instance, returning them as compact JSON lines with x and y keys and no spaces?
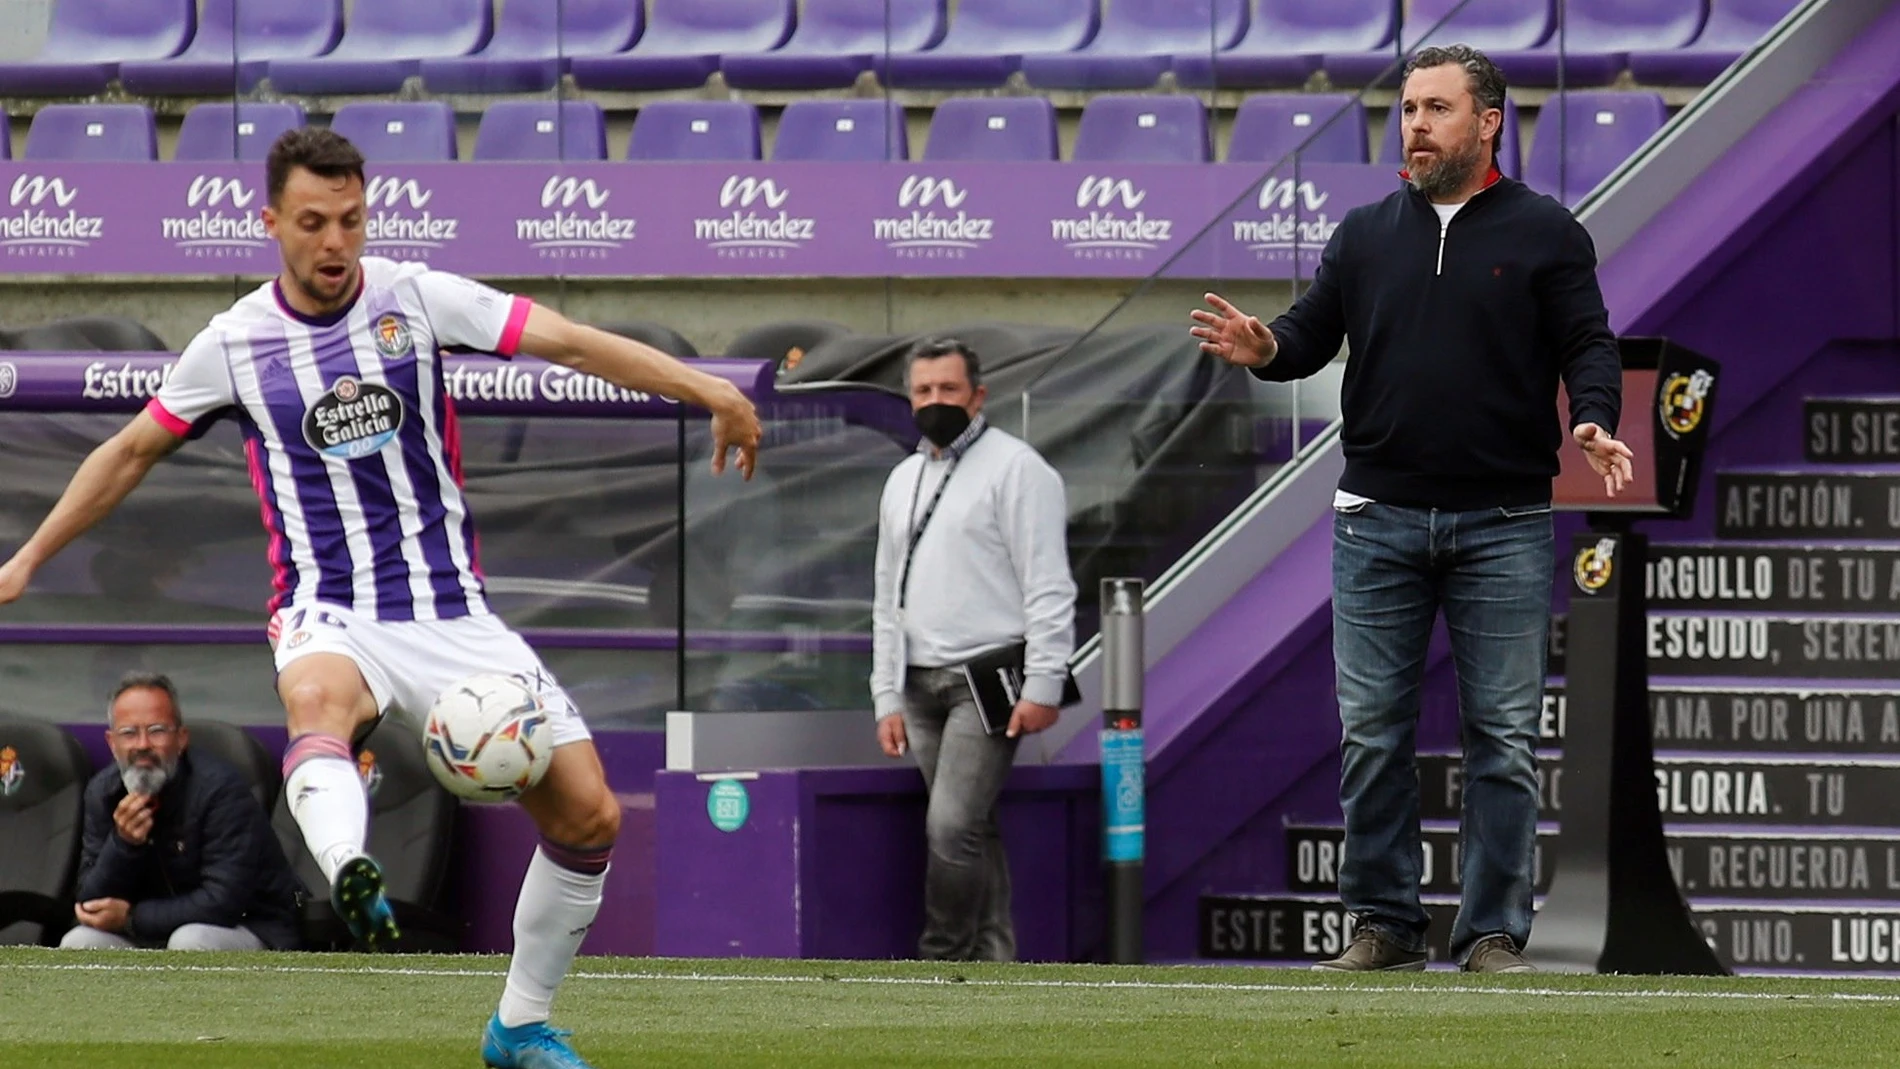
{"x":186,"y":937}
{"x":966,"y":883}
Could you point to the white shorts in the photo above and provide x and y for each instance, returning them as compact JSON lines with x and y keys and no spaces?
{"x":409,"y":663}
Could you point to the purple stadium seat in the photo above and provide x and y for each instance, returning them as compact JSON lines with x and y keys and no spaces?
{"x":1510,"y":152}
{"x":542,"y":130}
{"x":993,"y":128}
{"x":987,"y":40}
{"x":1285,"y":41}
{"x":695,"y":130}
{"x":385,"y":44}
{"x":1138,"y":37}
{"x":87,"y":39}
{"x":1270,"y":126}
{"x":407,"y":132}
{"x":532,"y":44}
{"x":1733,"y":28}
{"x":234,"y":131}
{"x":684,"y":40}
{"x":1582,"y":137}
{"x":235,"y":42}
{"x":1143,"y":129}
{"x":856,"y":130}
{"x":1597,"y":38}
{"x":1491,"y":25}
{"x":837,"y":40}
{"x":92,"y":132}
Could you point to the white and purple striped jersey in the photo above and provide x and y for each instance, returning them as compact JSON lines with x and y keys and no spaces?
{"x":351,"y":437}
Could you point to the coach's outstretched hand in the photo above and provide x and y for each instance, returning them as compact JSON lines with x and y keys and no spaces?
{"x":1227,"y":332}
{"x":735,"y":425}
{"x":1608,"y":457}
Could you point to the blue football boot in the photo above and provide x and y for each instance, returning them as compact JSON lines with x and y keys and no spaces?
{"x":531,"y":1046}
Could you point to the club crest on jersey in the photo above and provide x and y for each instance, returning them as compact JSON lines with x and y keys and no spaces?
{"x":392,"y":336}
{"x":12,"y":772}
{"x":353,"y":420}
{"x":371,"y":772}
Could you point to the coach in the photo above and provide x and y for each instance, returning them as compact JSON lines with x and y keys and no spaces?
{"x":1463,"y":298}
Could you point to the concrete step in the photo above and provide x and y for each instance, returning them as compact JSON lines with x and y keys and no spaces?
{"x":1783,"y":938}
{"x":1809,"y":864}
{"x":1694,"y":715}
{"x":1851,"y":430}
{"x":1730,"y":789}
{"x":1803,"y":503}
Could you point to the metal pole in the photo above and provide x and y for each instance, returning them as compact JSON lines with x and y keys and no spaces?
{"x":1122,"y":765}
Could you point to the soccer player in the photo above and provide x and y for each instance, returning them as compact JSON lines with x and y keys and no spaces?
{"x":334,"y":374}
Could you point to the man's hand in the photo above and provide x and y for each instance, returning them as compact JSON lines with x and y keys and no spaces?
{"x":1028,"y":718}
{"x":133,"y":818}
{"x":735,"y":425}
{"x":105,"y":914}
{"x":14,"y":575}
{"x":890,"y":735}
{"x":1241,"y":340}
{"x":1611,"y":458}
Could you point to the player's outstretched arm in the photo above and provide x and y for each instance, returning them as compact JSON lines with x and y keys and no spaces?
{"x":102,"y":481}
{"x":635,"y":365}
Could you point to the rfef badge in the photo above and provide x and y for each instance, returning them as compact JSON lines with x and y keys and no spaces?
{"x":1684,"y":400}
{"x":1594,"y":566}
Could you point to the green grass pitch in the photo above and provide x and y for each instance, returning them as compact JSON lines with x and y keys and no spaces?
{"x":146,"y":1010}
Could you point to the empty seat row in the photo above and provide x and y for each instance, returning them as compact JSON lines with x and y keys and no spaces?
{"x":160,"y":47}
{"x":1600,"y":130}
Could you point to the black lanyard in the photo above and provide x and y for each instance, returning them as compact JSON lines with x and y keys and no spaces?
{"x":916,"y":525}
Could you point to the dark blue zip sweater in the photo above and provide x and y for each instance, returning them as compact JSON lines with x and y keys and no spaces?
{"x":1457,"y":341}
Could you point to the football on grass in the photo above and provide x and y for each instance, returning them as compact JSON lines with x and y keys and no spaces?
{"x":487,"y":739}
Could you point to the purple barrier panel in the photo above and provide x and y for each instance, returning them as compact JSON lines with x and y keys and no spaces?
{"x":833,"y":863}
{"x":1031,"y":220}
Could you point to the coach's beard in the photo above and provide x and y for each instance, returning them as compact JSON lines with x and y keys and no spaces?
{"x":145,"y":773}
{"x":1448,"y":174}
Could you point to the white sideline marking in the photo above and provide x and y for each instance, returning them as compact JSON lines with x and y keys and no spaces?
{"x":934,"y":981}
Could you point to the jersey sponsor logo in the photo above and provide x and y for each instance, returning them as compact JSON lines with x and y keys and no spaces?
{"x":925,"y":234}
{"x":1108,"y":234}
{"x":297,"y":638}
{"x":12,"y":771}
{"x":1683,"y":399}
{"x":43,"y":221}
{"x":353,"y":420}
{"x":747,"y":232}
{"x":392,"y":336}
{"x":1595,"y":565}
{"x":216,"y":223}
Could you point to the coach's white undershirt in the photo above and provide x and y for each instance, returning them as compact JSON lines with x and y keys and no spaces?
{"x":992,"y":568}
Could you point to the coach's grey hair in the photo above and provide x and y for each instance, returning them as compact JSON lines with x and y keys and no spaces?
{"x":1486,"y":80}
{"x":154,"y":680}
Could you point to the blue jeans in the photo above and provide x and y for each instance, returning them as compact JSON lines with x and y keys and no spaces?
{"x":1490,"y":571}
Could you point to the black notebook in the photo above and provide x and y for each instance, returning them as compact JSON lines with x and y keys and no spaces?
{"x":996,"y":682}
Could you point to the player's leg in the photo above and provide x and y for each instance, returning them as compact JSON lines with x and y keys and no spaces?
{"x":578,"y":818}
{"x":324,"y":681}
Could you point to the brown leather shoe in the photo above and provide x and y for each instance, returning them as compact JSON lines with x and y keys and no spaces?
{"x":1496,"y":953}
{"x":1372,"y":950}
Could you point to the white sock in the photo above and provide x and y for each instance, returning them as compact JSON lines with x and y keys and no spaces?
{"x":328,"y":800}
{"x":556,"y":907}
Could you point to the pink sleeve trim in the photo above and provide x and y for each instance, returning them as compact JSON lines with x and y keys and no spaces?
{"x":517,"y":322}
{"x":165,"y":418}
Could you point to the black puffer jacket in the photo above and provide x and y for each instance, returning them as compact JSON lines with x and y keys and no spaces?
{"x":211,"y":858}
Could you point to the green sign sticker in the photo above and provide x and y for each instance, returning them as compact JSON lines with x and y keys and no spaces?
{"x":728,"y":804}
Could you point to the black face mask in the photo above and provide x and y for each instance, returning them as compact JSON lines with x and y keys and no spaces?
{"x":942,"y":423}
